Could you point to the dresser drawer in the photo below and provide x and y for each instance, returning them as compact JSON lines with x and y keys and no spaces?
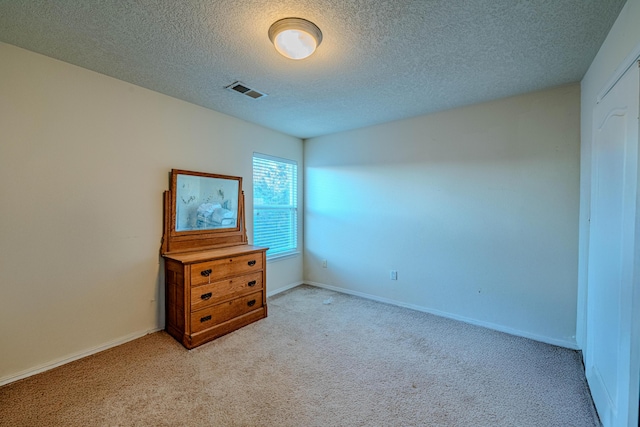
{"x":214,"y":315}
{"x":206,"y":295}
{"x":213,"y":271}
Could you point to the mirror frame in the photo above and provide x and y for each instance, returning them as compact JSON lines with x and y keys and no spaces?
{"x":199,"y":239}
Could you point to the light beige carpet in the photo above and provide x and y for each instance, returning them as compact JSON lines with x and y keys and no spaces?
{"x":320,"y":359}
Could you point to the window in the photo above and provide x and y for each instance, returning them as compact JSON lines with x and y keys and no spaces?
{"x":275,"y":205}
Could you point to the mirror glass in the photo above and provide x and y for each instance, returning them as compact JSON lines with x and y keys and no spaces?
{"x":206,"y":203}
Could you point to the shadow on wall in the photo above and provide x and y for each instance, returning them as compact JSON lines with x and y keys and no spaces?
{"x":476,"y":208}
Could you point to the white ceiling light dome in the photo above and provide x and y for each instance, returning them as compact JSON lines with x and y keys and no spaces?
{"x":295,"y":38}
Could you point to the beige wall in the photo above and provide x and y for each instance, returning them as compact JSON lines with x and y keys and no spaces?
{"x":623,"y":38}
{"x":84,"y":160}
{"x":476,"y":208}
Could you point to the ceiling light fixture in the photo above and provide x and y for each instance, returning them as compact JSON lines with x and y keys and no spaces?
{"x":295,"y":38}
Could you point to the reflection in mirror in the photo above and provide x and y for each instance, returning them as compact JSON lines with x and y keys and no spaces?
{"x":206,"y":203}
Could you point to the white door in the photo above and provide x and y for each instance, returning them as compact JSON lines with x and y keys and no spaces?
{"x":613,"y":306}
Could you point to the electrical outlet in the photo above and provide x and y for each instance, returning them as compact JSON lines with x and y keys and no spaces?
{"x":393,"y":274}
{"x":324,"y":263}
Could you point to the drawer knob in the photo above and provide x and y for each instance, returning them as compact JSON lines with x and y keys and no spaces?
{"x":251,"y":303}
{"x":205,"y":318}
{"x":206,"y":296}
{"x":205,"y":273}
{"x":252,"y":263}
{"x":251,"y":283}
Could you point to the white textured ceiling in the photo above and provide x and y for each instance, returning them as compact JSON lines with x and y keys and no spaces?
{"x":379,"y":60}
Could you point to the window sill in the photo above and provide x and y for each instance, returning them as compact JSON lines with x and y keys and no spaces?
{"x":280,"y":257}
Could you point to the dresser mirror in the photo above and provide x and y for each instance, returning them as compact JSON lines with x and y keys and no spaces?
{"x":205,"y":201}
{"x":203,"y":210}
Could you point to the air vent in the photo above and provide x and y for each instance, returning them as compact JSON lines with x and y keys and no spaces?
{"x":245,"y":90}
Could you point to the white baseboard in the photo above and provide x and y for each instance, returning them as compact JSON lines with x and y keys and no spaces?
{"x":284,"y":288}
{"x":63,"y":361}
{"x":553,"y":341}
{"x":76,"y":356}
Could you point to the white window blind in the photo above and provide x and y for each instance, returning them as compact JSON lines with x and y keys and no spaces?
{"x":275,"y":204}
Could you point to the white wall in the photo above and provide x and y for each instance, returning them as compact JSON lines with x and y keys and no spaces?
{"x":84,"y":160}
{"x":622,"y":39}
{"x":476,"y":208}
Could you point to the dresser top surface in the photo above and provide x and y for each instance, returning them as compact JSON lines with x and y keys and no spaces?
{"x":205,"y":255}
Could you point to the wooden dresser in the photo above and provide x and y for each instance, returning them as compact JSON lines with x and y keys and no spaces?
{"x":215,"y":282}
{"x":211,"y":293}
